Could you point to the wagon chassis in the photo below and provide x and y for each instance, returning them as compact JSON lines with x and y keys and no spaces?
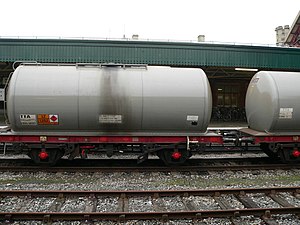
{"x":48,"y":149}
{"x":285,"y":146}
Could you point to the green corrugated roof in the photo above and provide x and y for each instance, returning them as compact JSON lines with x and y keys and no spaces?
{"x":146,"y":52}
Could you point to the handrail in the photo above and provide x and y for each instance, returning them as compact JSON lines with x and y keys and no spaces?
{"x":18,"y":63}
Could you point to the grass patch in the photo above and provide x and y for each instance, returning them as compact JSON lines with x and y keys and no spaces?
{"x":41,"y":181}
{"x":204,"y":183}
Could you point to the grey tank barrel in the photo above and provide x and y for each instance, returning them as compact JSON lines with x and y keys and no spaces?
{"x":108,"y":99}
{"x":273,"y":102}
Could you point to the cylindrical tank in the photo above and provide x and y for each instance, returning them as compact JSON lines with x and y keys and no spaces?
{"x":108,"y":99}
{"x":272,"y":102}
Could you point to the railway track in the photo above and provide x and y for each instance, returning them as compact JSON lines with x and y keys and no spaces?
{"x":150,"y":169}
{"x":51,"y":206}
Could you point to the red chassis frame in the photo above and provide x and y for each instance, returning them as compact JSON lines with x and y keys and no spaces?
{"x":263,"y":137}
{"x":49,"y":139}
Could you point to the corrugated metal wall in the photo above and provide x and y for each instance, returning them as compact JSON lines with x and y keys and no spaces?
{"x":153,"y":53}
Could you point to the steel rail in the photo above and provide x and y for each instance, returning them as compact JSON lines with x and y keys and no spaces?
{"x":200,"y":214}
{"x":150,"y":168}
{"x":160,"y":193}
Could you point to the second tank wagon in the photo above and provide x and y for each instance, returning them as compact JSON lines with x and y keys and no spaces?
{"x":272,"y":102}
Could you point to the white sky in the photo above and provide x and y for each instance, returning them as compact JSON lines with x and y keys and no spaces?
{"x":252,"y":21}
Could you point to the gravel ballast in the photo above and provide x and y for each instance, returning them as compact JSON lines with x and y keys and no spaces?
{"x":147,"y":181}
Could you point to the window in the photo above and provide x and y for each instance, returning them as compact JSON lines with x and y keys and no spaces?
{"x":227,"y":95}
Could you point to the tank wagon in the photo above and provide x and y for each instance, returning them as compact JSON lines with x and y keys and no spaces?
{"x":55,"y":110}
{"x":273,"y":114}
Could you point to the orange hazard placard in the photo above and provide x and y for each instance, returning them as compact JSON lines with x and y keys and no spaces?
{"x":47,"y":119}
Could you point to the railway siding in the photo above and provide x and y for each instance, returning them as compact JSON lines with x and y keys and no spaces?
{"x":142,"y":205}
